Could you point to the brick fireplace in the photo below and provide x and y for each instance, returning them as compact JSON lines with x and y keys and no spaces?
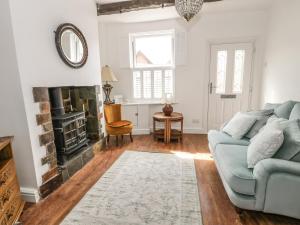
{"x":71,"y":119}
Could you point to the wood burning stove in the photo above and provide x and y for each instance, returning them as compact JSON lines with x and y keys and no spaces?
{"x":69,"y":128}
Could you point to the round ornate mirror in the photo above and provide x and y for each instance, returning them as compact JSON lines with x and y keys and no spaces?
{"x":71,"y":45}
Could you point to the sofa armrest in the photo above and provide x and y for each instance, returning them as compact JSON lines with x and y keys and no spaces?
{"x":268,"y":166}
{"x":265,"y":169}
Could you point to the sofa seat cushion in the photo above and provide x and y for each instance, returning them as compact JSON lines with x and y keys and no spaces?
{"x":232,"y":163}
{"x":218,"y":137}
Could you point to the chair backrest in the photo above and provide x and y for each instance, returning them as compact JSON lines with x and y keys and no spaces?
{"x":112,"y":113}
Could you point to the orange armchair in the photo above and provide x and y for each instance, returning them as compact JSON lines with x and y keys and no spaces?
{"x":114,"y":124}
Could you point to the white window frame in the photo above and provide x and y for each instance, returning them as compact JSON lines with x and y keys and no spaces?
{"x":152,"y":68}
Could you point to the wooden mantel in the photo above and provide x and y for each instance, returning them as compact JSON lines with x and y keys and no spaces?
{"x":127,"y":6}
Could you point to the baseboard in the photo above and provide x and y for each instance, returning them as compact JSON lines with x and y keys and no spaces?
{"x":140,"y":131}
{"x":30,"y":195}
{"x":194,"y":131}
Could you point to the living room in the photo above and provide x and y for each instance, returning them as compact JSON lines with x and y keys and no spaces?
{"x":167,"y":112}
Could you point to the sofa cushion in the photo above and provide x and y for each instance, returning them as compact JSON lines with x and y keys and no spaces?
{"x":218,"y":137}
{"x":291,"y":144}
{"x":261,"y":121}
{"x":271,"y":106}
{"x":295,"y":114}
{"x":265,"y":144}
{"x":263,"y":112}
{"x":285,"y":109}
{"x":262,"y":117}
{"x":232,"y":161}
{"x":296,"y":158}
{"x":239,"y":125}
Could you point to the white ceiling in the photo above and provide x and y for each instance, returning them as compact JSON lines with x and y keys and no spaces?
{"x":170,"y":12}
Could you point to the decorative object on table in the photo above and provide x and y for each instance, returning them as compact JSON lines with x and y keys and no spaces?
{"x":132,"y":181}
{"x":71,"y":45}
{"x":168,"y":133}
{"x":167,"y":101}
{"x":118,"y":99}
{"x":188,"y":8}
{"x":108,"y":76}
{"x":11,"y":203}
{"x":114,"y":124}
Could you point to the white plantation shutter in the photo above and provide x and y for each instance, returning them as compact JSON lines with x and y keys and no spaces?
{"x":153,"y":83}
{"x":169,"y":82}
{"x":147,"y":86}
{"x":137,"y":84}
{"x":157,"y":84}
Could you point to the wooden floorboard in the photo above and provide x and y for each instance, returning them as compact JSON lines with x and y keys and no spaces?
{"x":215,"y":206}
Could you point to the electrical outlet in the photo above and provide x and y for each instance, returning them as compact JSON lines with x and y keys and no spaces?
{"x":196,"y":121}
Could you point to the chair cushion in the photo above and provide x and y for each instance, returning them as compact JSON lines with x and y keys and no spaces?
{"x":232,"y":161}
{"x":295,"y":114}
{"x":121,"y":123}
{"x":217,"y":137}
{"x":285,"y":109}
{"x":118,"y":130}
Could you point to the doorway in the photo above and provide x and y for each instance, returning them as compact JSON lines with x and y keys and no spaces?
{"x":230,"y":81}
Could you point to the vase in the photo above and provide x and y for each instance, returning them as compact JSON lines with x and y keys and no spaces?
{"x":167,"y":110}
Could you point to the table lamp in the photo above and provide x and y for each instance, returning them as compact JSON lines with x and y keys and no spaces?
{"x":107,"y":76}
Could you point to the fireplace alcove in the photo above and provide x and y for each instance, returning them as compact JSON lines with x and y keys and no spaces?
{"x":71,"y":119}
{"x":76,"y":118}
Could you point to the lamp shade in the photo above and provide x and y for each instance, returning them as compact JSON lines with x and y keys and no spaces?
{"x":107,"y":74}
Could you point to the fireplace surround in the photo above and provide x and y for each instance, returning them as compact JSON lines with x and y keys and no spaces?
{"x":71,"y":118}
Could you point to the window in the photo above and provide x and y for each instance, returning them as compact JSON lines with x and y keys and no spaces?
{"x":239,"y":67}
{"x":221,"y":72}
{"x":153,"y":65}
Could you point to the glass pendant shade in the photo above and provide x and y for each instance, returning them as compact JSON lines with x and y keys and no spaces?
{"x":188,"y":8}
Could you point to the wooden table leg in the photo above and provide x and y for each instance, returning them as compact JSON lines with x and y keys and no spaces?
{"x":181,"y":135}
{"x":154,"y":128}
{"x":166,"y":132}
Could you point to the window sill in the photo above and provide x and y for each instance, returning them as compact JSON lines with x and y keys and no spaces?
{"x":144,"y":103}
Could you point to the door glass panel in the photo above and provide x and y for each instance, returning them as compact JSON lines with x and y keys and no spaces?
{"x":239,"y":68}
{"x":221,"y":72}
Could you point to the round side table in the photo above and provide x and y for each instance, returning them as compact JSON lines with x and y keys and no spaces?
{"x":167,"y":133}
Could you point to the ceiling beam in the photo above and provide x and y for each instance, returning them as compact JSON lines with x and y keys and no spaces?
{"x":127,"y":6}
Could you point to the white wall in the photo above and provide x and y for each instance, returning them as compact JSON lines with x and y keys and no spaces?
{"x":282,"y":63}
{"x":34,"y":23}
{"x":12,"y":116}
{"x":191,"y":79}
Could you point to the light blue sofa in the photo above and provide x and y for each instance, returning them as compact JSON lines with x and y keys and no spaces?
{"x":273,"y":186}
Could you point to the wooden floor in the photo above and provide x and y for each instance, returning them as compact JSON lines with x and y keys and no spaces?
{"x":215,"y":205}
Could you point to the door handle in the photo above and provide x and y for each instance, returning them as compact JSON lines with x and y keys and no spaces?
{"x":211,"y":87}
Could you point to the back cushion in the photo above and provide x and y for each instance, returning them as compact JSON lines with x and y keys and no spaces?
{"x":271,"y":106}
{"x":291,"y":145}
{"x":262,"y":117}
{"x":296,"y":158}
{"x":285,"y":109}
{"x":239,"y":125}
{"x":295,"y":114}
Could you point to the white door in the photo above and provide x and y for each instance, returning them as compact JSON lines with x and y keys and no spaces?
{"x":230,"y":81}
